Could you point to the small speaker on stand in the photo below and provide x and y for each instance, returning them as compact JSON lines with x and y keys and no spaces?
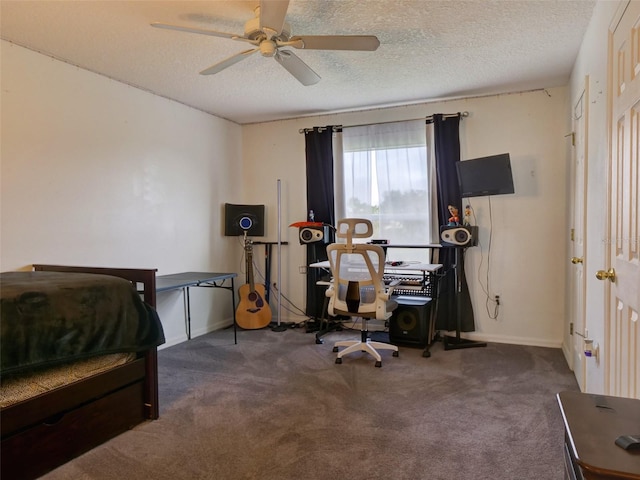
{"x":458,"y":236}
{"x":314,"y":234}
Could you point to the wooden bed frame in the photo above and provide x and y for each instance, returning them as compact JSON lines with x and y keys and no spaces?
{"x":48,"y":430}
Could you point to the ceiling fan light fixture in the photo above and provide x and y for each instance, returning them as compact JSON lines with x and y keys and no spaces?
{"x":268,"y":48}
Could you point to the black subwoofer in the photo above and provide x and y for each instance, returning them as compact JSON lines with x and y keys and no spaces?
{"x":410,"y":322}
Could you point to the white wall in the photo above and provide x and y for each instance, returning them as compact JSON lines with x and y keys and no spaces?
{"x":95,"y":172}
{"x":592,"y":62}
{"x":528,"y":260}
{"x":92,"y":169}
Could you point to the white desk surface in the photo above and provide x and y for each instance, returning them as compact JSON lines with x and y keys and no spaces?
{"x":393,"y":245}
{"x":409,"y":266}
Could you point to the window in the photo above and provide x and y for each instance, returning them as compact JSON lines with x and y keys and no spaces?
{"x":383,"y":174}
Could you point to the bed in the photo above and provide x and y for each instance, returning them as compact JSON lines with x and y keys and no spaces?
{"x":80,"y":315}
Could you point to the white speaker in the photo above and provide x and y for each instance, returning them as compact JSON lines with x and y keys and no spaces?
{"x":458,"y":236}
{"x":314,"y":234}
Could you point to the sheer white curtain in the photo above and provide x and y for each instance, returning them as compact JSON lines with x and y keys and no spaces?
{"x":384,"y":173}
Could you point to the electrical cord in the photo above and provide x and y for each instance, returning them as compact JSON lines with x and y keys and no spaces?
{"x":489,"y":299}
{"x":294,"y":309}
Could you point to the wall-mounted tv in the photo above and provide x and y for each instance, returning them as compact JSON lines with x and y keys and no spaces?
{"x":485,"y":176}
{"x":239,"y":219}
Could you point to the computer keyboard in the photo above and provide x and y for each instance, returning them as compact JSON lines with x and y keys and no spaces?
{"x":403,"y":279}
{"x":414,"y":285}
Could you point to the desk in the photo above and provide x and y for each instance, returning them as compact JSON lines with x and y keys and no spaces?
{"x":183,"y":281}
{"x":592,"y":423}
{"x":427,"y":271}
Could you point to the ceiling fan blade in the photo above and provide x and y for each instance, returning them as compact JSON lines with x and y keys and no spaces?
{"x":272,"y":14}
{"x":335,"y":42}
{"x":297,"y":67}
{"x":232,"y":60}
{"x":195,"y":30}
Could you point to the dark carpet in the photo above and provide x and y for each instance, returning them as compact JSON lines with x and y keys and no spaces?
{"x":276,"y":406}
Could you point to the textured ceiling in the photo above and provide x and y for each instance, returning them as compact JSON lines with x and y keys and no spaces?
{"x":428,"y":50}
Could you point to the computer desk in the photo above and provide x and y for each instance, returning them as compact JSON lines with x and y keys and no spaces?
{"x":407,"y":267}
{"x":183,"y":281}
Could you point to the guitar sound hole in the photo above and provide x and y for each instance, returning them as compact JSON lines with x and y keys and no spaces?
{"x":254,"y":297}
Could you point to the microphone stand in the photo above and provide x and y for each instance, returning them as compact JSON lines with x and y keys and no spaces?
{"x":279,"y":327}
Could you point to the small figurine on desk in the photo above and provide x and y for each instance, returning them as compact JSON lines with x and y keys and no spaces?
{"x":467,"y":216}
{"x":454,"y":219}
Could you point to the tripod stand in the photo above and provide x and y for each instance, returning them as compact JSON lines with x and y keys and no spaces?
{"x":457,"y":342}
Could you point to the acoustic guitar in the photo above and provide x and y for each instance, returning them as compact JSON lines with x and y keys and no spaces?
{"x":253,"y":311}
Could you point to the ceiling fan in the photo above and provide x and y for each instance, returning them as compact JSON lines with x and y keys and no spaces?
{"x":269,"y":33}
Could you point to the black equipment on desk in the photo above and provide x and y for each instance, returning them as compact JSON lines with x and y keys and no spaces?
{"x":420,"y":285}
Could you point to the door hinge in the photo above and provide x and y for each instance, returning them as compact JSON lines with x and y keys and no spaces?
{"x":571,"y":328}
{"x":573,"y":234}
{"x":573,"y":138}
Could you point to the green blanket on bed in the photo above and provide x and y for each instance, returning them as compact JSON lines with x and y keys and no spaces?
{"x":48,"y":318}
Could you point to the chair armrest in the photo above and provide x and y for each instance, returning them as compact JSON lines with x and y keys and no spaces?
{"x":389,"y":288}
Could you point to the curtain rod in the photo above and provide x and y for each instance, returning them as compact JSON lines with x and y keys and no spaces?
{"x":428,"y":119}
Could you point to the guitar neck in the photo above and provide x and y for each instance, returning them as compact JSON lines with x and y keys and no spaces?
{"x":249,"y":252}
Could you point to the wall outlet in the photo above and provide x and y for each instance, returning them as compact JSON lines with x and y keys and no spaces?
{"x":302,"y":269}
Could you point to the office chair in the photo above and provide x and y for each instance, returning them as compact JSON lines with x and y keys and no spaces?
{"x":357,"y":288}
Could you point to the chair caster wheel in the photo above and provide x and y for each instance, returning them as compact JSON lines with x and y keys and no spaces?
{"x":335,"y":349}
{"x":378,"y":364}
{"x":396,"y":353}
{"x":426,"y":354}
{"x":338,"y":361}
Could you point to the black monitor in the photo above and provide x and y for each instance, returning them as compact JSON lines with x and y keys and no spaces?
{"x":239,"y":219}
{"x":485,"y":176}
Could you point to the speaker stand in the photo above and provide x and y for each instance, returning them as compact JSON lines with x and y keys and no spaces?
{"x":457,"y":342}
{"x":279,"y":327}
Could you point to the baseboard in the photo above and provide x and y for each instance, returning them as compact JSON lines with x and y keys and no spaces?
{"x":169,"y":342}
{"x":532,"y":342}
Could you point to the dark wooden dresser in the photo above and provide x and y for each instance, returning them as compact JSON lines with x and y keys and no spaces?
{"x":592,"y":423}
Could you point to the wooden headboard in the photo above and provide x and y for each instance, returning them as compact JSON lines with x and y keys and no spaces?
{"x":146,"y":277}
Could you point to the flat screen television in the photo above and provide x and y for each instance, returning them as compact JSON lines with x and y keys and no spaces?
{"x":243,"y":218}
{"x":485,"y":176}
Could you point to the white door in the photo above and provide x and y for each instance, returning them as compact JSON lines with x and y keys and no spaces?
{"x":622,"y":329}
{"x":578,"y":239}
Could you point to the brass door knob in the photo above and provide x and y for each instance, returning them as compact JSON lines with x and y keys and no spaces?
{"x":606,"y":274}
{"x":576,"y":260}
